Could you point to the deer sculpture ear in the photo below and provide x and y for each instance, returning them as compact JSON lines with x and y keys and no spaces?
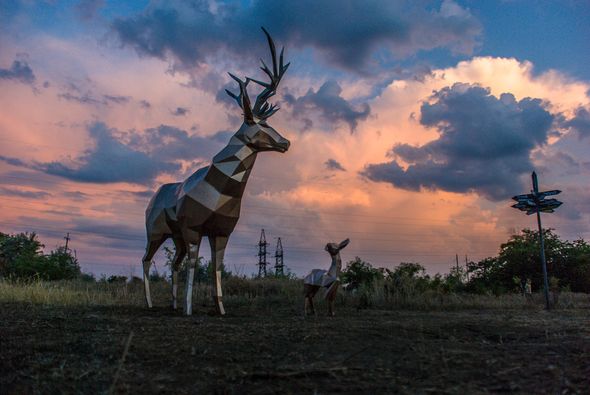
{"x":343,"y":244}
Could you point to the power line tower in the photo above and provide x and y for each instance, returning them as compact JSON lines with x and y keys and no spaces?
{"x":279,"y":258}
{"x":262,"y":244}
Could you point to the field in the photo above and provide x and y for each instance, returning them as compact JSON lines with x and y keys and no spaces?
{"x":93,"y":338}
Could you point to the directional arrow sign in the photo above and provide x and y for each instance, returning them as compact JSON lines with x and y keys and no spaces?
{"x":550,"y":204}
{"x":529,"y":196}
{"x":549,"y":193}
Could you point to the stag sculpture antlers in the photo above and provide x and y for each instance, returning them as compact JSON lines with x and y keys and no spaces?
{"x":319,"y":278}
{"x":208,"y":202}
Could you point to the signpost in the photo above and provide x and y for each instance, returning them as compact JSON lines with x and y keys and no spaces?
{"x":535,"y":202}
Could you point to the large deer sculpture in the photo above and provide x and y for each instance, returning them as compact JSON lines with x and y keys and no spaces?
{"x":329,"y":279}
{"x":208,"y":202}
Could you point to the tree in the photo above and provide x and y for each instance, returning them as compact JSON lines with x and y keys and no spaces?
{"x":360,"y":272}
{"x":21,"y":256}
{"x":519,"y":259}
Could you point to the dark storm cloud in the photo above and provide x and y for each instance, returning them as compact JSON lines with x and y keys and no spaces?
{"x":128,"y":156}
{"x":180,"y":111}
{"x":331,"y":106}
{"x":346,"y":33}
{"x":19,"y":71}
{"x":145,"y":104}
{"x":580,"y":123}
{"x":484,"y":145}
{"x":333,"y":164}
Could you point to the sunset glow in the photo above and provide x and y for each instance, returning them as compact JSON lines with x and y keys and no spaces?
{"x":410,"y":128}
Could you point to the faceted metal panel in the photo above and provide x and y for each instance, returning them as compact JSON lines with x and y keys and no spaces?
{"x":208,"y":202}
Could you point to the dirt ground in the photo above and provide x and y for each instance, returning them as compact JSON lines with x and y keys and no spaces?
{"x":83,"y":350}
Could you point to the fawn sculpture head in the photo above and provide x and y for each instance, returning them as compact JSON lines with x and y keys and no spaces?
{"x":334,"y":249}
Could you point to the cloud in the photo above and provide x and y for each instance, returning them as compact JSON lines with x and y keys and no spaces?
{"x":19,"y":71}
{"x":88,"y":9}
{"x":346,"y":34}
{"x":145,"y":104}
{"x":331,"y":106}
{"x":484,"y":144}
{"x":132,"y":157}
{"x":333,"y":164}
{"x":89,"y":99}
{"x":24,"y":193}
{"x":117,"y":99}
{"x":180,"y":111}
{"x":580,"y":123}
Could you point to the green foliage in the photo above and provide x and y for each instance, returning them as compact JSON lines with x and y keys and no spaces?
{"x":21,"y":257}
{"x":519,"y":260}
{"x":359,"y":272}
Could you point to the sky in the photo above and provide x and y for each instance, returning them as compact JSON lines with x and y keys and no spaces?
{"x":412,"y":123}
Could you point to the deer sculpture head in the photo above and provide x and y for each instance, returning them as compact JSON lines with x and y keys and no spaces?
{"x":255,"y":131}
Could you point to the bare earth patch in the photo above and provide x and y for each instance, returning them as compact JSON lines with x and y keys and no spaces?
{"x":48,"y":349}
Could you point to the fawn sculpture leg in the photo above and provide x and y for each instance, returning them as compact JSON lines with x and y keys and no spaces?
{"x":309,"y":292}
{"x":193,"y":259}
{"x":331,"y":296}
{"x":176,"y":262}
{"x":218,"y":244}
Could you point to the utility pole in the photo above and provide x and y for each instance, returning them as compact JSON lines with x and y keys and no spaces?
{"x":67,"y":238}
{"x":262,"y":244}
{"x":279,"y":258}
{"x":457,"y":262}
{"x":532,"y":203}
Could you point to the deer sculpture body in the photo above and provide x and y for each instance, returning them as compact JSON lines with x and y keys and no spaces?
{"x":319,"y":278}
{"x":208,"y":202}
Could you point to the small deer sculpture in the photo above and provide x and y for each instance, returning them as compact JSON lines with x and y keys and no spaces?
{"x":319,"y":278}
{"x":208,"y":202}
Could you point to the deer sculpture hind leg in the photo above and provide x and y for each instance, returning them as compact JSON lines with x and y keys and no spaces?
{"x":176,"y":263}
{"x":218,"y":244}
{"x":193,"y":259}
{"x":147,"y":262}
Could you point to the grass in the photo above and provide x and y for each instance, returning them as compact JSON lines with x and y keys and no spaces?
{"x":264,"y":293}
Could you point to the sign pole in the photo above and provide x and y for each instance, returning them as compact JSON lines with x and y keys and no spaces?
{"x":542,"y":242}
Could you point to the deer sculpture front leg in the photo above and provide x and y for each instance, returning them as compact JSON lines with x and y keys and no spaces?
{"x":193,"y":259}
{"x":179,"y":255}
{"x":218,"y":245}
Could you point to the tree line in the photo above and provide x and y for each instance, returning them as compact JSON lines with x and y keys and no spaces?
{"x":518,"y":262}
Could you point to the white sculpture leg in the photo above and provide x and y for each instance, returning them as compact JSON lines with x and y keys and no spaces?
{"x":193,"y":258}
{"x":146,"y":283}
{"x":217,"y":252}
{"x":174,"y":288}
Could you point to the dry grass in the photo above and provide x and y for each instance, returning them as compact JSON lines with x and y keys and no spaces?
{"x":264,"y":294}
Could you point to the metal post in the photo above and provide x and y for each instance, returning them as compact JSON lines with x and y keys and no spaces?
{"x":542,"y":242}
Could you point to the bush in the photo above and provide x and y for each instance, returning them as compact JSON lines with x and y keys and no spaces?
{"x":21,"y":257}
